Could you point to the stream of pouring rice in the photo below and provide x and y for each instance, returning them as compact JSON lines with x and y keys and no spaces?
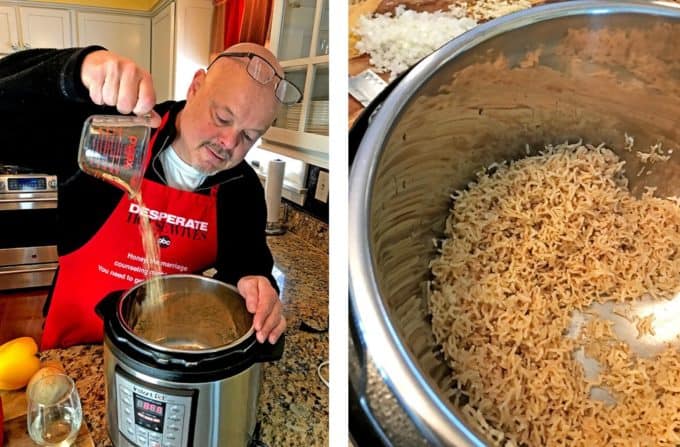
{"x":154,"y":289}
{"x":150,"y":324}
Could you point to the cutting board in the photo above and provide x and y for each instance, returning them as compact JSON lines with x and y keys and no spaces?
{"x":357,"y":8}
{"x":359,"y":63}
{"x":14,"y":407}
{"x":16,"y":435}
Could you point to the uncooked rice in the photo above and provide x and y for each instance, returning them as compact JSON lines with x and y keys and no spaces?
{"x":526,"y":246}
{"x":655,"y":154}
{"x":645,"y":326}
{"x":629,"y":142}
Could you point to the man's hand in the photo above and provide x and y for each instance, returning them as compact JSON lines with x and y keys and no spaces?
{"x":113,"y":80}
{"x":262,"y":300}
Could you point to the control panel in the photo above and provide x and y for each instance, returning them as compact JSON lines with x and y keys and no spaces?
{"x":151,"y":416}
{"x":28,"y":183}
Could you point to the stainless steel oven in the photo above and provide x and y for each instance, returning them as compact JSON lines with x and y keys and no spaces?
{"x":28,"y":228}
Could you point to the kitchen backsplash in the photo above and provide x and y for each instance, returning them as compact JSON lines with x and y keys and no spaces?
{"x":317,"y":199}
{"x":308,"y":227}
{"x":311,"y":220}
{"x":304,"y":225}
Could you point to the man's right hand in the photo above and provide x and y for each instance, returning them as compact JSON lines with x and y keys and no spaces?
{"x":116,"y":81}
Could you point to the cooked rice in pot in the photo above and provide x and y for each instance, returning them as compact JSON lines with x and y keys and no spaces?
{"x":526,"y":246}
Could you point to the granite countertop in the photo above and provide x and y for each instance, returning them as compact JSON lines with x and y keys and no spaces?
{"x":293,"y":404}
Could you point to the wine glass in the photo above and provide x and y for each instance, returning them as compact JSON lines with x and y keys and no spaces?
{"x":54,"y":411}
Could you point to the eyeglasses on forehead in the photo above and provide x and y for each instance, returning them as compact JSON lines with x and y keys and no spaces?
{"x":263,"y":72}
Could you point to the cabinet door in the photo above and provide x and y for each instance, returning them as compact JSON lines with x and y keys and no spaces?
{"x":299,"y":38}
{"x":45,"y":28}
{"x":126,"y":35}
{"x":9,"y":38}
{"x":163,"y":52}
{"x":194,"y":19}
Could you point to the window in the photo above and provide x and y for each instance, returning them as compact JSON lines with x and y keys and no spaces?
{"x":299,"y":38}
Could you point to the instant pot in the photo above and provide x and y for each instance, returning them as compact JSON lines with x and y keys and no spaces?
{"x":182,"y":366}
{"x":590,"y":70}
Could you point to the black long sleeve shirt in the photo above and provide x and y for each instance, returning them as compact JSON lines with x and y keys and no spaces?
{"x":43,"y":105}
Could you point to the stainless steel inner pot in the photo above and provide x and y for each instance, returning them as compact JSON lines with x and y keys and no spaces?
{"x":185,"y":313}
{"x":588,"y":70}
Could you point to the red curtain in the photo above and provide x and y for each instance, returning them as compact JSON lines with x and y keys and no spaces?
{"x":233,"y":22}
{"x":237,"y":21}
{"x":226,"y":24}
{"x":256,"y":21}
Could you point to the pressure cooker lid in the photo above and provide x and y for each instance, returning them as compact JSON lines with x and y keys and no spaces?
{"x":186,"y":313}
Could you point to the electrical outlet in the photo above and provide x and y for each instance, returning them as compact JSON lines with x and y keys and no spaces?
{"x":321,"y":193}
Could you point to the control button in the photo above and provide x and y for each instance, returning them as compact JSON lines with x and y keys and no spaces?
{"x":128,"y":411}
{"x":127,"y":400}
{"x":142,"y":438}
{"x":131,"y":431}
{"x":174,"y":417}
{"x":154,"y":443}
{"x":170,"y":436}
{"x":52,"y":184}
{"x":155,"y":437}
{"x":176,"y":409}
{"x":129,"y":421}
{"x":169,"y":444}
{"x":2,"y":186}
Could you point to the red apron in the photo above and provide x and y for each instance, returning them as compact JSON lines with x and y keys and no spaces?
{"x":185,"y":224}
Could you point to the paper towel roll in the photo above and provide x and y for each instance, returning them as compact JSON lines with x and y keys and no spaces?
{"x":273,"y":188}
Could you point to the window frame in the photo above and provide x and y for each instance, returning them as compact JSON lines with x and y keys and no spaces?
{"x":306,"y":146}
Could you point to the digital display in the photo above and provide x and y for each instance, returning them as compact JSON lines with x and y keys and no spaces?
{"x":148,"y":406}
{"x":149,"y":413}
{"x":26,"y":183}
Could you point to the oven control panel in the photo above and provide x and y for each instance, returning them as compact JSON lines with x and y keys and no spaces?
{"x":28,"y":183}
{"x":149,"y":416}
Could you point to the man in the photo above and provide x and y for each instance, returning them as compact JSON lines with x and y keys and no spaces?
{"x":197,"y":173}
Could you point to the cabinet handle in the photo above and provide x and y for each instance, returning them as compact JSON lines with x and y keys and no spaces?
{"x":27,"y":46}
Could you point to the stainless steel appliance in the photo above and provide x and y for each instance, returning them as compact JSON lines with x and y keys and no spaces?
{"x":183,"y":369}
{"x":28,"y":228}
{"x":580,"y":69}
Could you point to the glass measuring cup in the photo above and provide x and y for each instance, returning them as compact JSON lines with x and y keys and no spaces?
{"x":114,"y":148}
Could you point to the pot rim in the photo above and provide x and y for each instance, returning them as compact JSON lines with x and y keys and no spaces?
{"x":428,"y":411}
{"x":186,"y":352}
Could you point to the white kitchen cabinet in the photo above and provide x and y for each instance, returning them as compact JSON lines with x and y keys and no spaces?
{"x":163,"y":52}
{"x":180,"y":46}
{"x":45,"y":27}
{"x":192,"y":41}
{"x":127,"y":35}
{"x":9,"y":31}
{"x":34,"y":27}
